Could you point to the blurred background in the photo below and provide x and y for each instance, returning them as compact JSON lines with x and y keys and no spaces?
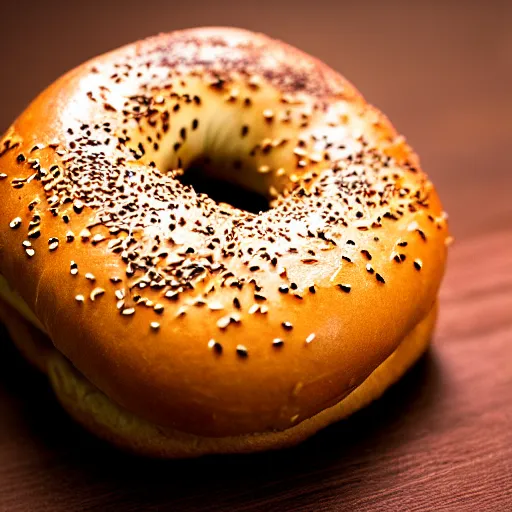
{"x":439,"y":439}
{"x":441,"y":70}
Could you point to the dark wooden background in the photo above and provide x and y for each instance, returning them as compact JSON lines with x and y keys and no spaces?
{"x":439,"y":440}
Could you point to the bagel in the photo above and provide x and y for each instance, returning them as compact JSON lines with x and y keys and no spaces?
{"x":174,"y":323}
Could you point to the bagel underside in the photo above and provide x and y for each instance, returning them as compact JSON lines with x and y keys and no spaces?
{"x":94,"y":410}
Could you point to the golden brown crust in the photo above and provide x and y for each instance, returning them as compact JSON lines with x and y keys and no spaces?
{"x":173,"y":374}
{"x":96,"y":412}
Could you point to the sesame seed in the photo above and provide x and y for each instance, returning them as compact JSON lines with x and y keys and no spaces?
{"x":277,"y":342}
{"x":182,"y":310}
{"x":418,"y":264}
{"x":97,"y":292}
{"x":79,"y":298}
{"x":215,"y":346}
{"x":215,"y":306}
{"x":90,"y":276}
{"x":158,"y":308}
{"x":34,"y":233}
{"x":53,"y":243}
{"x":78,"y":206}
{"x":172,"y":295}
{"x":254,"y":81}
{"x":287,"y":326}
{"x":422,"y":234}
{"x":154,"y":326}
{"x":345,"y":287}
{"x":15,"y":223}
{"x":379,"y":278}
{"x":241,"y":351}
{"x":310,"y":338}
{"x":128,"y":311}
{"x":223,"y":322}
{"x":268,"y":115}
{"x":85,"y":234}
{"x":96,"y":239}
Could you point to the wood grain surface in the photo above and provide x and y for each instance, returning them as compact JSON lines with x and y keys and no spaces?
{"x":441,"y":439}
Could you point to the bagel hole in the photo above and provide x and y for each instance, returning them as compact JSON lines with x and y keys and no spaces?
{"x":223,"y":191}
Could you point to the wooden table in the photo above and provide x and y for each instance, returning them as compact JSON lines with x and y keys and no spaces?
{"x":441,"y":439}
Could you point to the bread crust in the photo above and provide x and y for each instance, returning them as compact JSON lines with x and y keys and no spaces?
{"x":107,"y":420}
{"x":375,"y":276}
